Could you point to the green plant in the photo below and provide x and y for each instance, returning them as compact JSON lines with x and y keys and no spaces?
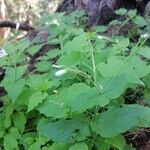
{"x":78,"y":102}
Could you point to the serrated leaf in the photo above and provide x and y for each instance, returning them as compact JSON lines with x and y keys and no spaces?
{"x":124,"y":43}
{"x":12,"y":74}
{"x":53,"y":53}
{"x":59,"y":146}
{"x":100,"y":28}
{"x":14,"y":88}
{"x":132,"y":13}
{"x":118,"y":142}
{"x":43,"y":66}
{"x":77,"y":44}
{"x":53,"y":107}
{"x":113,"y":88}
{"x":101,"y":144}
{"x":39,"y":83}
{"x":10,"y":142}
{"x":79,"y":146}
{"x":64,"y":130}
{"x":140,"y":21}
{"x":89,"y":99}
{"x":121,"y":11}
{"x":19,"y":121}
{"x":35,"y":146}
{"x":145,"y":51}
{"x":67,"y":95}
{"x":15,"y":133}
{"x":32,"y":50}
{"x":72,"y":58}
{"x":117,"y":65}
{"x":36,"y":99}
{"x":118,"y":120}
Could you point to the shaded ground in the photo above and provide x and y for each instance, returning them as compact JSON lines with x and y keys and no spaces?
{"x":140,"y":140}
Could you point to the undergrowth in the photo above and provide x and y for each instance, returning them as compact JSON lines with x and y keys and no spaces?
{"x":75,"y":97}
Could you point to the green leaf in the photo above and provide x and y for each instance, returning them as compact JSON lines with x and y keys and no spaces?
{"x":121,"y":11}
{"x":100,"y":28}
{"x":118,"y":142}
{"x":77,"y":44}
{"x":79,"y":146}
{"x":67,"y":95}
{"x":118,"y":120}
{"x":35,"y":146}
{"x":72,"y":58}
{"x":132,"y":13}
{"x":12,"y":74}
{"x":15,"y":133}
{"x":39,"y":83}
{"x":117,"y":65}
{"x":88,"y":99}
{"x":101,"y":144}
{"x":140,"y":21}
{"x":145,"y":51}
{"x":53,"y":107}
{"x":43,"y":66}
{"x":124,"y":43}
{"x":113,"y":88}
{"x":36,"y":99}
{"x":10,"y":142}
{"x":64,"y":130}
{"x":23,"y":98}
{"x":34,"y":49}
{"x":14,"y":88}
{"x":58,"y":146}
{"x":53,"y":53}
{"x":19,"y":121}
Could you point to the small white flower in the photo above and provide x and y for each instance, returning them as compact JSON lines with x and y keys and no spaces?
{"x":17,"y":25}
{"x":56,"y":66}
{"x":2,"y":53}
{"x":60,"y":72}
{"x":55,"y":21}
{"x":146,"y":35}
{"x":100,"y":37}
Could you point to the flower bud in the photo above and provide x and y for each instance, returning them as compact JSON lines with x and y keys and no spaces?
{"x":60,"y":72}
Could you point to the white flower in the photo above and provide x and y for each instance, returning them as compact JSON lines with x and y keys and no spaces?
{"x":146,"y":35}
{"x":60,"y":72}
{"x":55,"y":21}
{"x":100,"y":37}
{"x":56,"y":66}
{"x":17,"y":25}
{"x":2,"y":53}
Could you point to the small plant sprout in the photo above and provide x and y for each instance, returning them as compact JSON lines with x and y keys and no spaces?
{"x":61,"y":72}
{"x":2,"y":53}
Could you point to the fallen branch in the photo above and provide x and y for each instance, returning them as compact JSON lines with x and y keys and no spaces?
{"x":11,"y":24}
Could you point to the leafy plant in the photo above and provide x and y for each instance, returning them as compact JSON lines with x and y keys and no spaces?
{"x":78,"y":102}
